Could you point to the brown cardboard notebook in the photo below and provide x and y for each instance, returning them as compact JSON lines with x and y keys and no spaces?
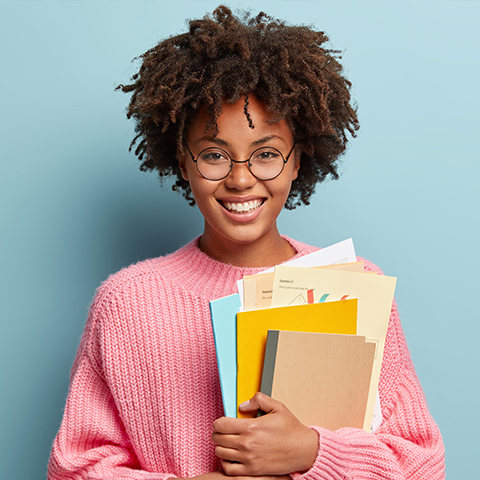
{"x":322,"y":378}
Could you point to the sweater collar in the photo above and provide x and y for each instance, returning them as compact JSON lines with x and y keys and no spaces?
{"x":198,"y":272}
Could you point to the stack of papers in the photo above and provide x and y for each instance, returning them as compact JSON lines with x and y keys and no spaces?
{"x":332,"y":305}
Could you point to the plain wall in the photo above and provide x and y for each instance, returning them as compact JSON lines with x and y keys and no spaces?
{"x":74,"y":207}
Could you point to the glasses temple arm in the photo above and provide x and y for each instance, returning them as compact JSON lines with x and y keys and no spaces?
{"x":289,"y":153}
{"x":189,"y":151}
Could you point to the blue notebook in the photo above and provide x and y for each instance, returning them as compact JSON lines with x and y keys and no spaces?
{"x":224,"y":323}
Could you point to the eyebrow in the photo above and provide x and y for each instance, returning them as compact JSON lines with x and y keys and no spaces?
{"x":224,"y":143}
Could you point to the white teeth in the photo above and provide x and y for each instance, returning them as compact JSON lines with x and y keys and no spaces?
{"x":245,"y":207}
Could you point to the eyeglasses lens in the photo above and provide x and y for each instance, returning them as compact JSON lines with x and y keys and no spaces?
{"x":213,"y":163}
{"x":266,"y":163}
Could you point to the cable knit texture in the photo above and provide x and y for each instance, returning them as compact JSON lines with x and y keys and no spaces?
{"x":145,"y":391}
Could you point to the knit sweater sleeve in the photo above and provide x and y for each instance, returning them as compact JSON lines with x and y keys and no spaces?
{"x":92,"y":442}
{"x":407,"y":445}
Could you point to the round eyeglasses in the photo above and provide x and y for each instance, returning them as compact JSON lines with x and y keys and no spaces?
{"x":265,"y":163}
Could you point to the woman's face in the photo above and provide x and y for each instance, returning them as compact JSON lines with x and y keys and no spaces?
{"x":240,"y":209}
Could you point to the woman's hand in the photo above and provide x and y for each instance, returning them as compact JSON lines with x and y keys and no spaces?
{"x":274,"y":444}
{"x":221,"y":476}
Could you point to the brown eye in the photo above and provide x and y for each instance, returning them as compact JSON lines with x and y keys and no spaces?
{"x":213,"y":156}
{"x":266,"y":155}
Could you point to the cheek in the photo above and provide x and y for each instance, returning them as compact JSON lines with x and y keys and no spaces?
{"x":202,"y":190}
{"x":286,"y":184}
{"x":280,"y":191}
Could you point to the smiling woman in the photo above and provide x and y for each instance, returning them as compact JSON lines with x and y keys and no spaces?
{"x":240,"y":210}
{"x":248,"y":115}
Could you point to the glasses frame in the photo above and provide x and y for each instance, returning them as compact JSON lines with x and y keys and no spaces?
{"x":232,"y":161}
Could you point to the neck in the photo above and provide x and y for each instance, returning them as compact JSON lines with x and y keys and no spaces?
{"x":267,"y":251}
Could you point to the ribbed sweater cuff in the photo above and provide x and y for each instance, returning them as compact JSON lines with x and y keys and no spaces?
{"x":331,"y":460}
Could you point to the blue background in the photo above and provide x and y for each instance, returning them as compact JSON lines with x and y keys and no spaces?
{"x":74,"y":207}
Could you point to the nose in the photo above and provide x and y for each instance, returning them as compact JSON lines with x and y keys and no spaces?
{"x":240,"y":177}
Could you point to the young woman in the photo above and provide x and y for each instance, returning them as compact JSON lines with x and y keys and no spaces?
{"x":248,"y":115}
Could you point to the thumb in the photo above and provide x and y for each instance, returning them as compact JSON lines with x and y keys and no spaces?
{"x":259,"y":401}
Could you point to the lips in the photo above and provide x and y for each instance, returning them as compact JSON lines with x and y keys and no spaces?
{"x":242,"y":207}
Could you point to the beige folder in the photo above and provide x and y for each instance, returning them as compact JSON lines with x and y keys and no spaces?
{"x":322,"y":378}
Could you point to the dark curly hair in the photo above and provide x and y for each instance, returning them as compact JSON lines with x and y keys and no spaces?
{"x":224,"y":57}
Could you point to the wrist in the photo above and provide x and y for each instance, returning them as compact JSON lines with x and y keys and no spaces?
{"x":310,"y":448}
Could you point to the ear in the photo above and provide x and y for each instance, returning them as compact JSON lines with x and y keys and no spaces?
{"x":296,"y":166}
{"x":181,"y":164}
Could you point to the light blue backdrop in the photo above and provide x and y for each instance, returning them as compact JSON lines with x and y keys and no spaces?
{"x":74,"y":206}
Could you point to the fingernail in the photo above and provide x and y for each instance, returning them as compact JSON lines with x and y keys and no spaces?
{"x":244,"y":404}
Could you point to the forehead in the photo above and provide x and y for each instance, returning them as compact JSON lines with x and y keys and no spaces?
{"x":236,"y":120}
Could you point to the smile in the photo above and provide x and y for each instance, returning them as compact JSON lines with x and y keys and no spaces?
{"x":242,"y":208}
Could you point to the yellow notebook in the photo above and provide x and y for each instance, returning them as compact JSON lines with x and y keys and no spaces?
{"x":252,"y":331}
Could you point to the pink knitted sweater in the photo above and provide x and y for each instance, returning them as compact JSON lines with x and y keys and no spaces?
{"x":145,"y":391}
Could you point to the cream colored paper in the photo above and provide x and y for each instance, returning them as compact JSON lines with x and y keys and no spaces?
{"x":374,"y":294}
{"x":349,"y":267}
{"x":264,"y":290}
{"x":250,"y":292}
{"x":258,"y":289}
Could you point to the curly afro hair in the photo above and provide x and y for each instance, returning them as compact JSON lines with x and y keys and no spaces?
{"x":224,"y":57}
